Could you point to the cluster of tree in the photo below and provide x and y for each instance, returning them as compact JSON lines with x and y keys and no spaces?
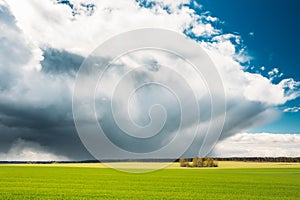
{"x":198,"y":162}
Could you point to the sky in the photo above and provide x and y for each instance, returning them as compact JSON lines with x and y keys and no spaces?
{"x":253,"y":45}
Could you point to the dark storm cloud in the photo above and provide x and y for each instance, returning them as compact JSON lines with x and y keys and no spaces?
{"x":241,"y":115}
{"x":61,"y":141}
{"x":49,"y":126}
{"x":60,"y":62}
{"x":253,"y":114}
{"x":28,"y":116}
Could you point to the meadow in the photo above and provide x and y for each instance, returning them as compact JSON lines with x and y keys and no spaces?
{"x":88,"y":181}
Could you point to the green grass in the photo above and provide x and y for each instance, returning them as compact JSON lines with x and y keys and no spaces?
{"x":46,"y":182}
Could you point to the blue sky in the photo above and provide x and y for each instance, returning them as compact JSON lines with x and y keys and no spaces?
{"x":270,"y":30}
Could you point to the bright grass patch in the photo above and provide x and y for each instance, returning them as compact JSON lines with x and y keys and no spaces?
{"x":47,"y":182}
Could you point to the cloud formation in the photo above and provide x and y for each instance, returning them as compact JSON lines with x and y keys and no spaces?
{"x":22,"y":150}
{"x":292,"y":109}
{"x":258,"y":145}
{"x":44,"y":43}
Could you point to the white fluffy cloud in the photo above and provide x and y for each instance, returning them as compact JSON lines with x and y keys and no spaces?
{"x":258,"y":145}
{"x":274,"y":73}
{"x":53,"y":25}
{"x":292,"y":109}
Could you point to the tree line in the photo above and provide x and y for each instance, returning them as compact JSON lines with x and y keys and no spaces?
{"x":261,"y":159}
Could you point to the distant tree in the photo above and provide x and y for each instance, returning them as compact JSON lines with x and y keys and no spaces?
{"x":183,"y":162}
{"x":194,"y":162}
{"x":209,"y":162}
{"x":200,"y":162}
{"x":197,"y":162}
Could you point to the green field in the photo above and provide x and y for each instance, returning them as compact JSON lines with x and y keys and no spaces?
{"x":54,"y":182}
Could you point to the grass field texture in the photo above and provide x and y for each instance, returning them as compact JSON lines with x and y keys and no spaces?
{"x":73,"y":182}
